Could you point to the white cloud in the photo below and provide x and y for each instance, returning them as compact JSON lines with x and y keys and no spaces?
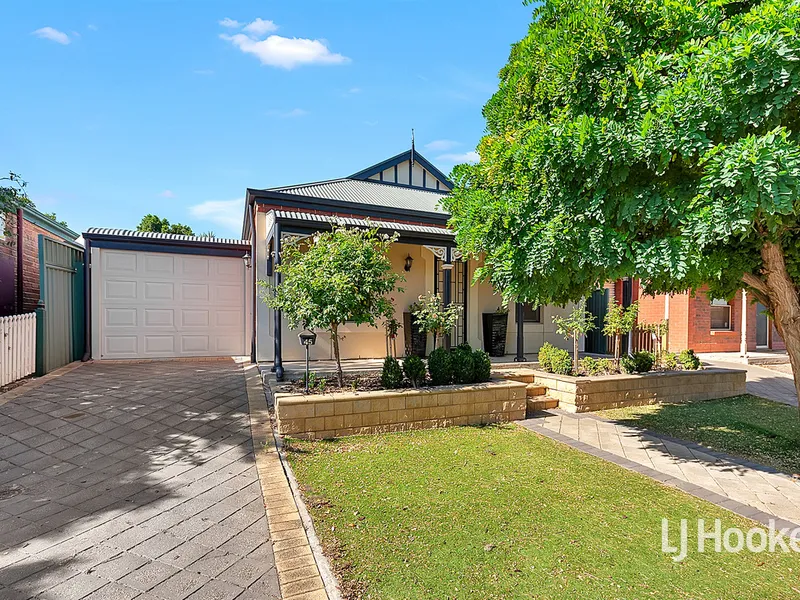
{"x":228,"y":22}
{"x":260,"y":27}
{"x":466,"y":157}
{"x":167,"y":194}
{"x":48,"y":33}
{"x":286,"y":53}
{"x":225,"y":213}
{"x":441,"y":145}
{"x":91,"y":27}
{"x":354,"y":90}
{"x":287,"y":114}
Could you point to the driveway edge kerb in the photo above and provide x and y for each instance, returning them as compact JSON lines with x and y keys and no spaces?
{"x":298,"y":557}
{"x":31,"y":384}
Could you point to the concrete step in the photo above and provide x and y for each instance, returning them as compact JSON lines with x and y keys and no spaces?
{"x":534,"y":389}
{"x":537,"y":403}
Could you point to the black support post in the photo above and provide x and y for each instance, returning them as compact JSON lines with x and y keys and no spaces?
{"x":447,"y":296}
{"x":520,"y":357}
{"x":278,"y":359}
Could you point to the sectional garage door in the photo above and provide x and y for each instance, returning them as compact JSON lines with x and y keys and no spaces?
{"x":158,"y":305}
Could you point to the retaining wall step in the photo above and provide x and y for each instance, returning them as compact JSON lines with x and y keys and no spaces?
{"x":534,"y":389}
{"x":537,"y":403}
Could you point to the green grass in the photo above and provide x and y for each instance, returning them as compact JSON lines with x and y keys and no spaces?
{"x":499,"y":512}
{"x":753,"y":428}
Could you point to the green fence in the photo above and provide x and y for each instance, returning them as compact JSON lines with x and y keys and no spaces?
{"x":60,"y":313}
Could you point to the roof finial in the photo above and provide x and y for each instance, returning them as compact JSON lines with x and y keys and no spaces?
{"x":412,"y":146}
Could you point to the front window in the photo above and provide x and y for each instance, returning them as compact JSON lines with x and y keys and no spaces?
{"x":530,"y":314}
{"x":720,"y":315}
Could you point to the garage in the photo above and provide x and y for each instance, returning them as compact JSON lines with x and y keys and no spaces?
{"x":167,"y":296}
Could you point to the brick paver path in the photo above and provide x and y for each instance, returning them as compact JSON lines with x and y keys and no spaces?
{"x":765,"y":383}
{"x":122,"y":481}
{"x":672,"y":461}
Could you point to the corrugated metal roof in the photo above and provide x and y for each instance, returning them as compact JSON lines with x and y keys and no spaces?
{"x":351,"y":222}
{"x":369,"y":192}
{"x":162,"y":236}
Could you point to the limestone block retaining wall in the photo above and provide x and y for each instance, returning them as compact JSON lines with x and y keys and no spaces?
{"x":583,"y":394}
{"x":322,"y":416}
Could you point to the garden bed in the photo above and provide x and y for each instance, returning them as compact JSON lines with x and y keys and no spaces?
{"x":328,"y":415}
{"x":601,"y":392}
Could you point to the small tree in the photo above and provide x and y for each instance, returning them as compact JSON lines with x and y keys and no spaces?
{"x":341,"y":275}
{"x":434,"y":317}
{"x":618,"y":322}
{"x":12,"y":196}
{"x":579,"y":322}
{"x":156,"y":224}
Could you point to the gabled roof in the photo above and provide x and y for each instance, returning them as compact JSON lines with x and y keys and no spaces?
{"x":411,"y":154}
{"x":368,"y":192}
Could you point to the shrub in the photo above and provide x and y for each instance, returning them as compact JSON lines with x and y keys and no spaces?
{"x":545,"y":354}
{"x":391,"y":374}
{"x":640,"y":362}
{"x":440,"y":367}
{"x":463,"y":364}
{"x":596,"y":366}
{"x":560,"y":362}
{"x":669,"y":361}
{"x":483,"y":366}
{"x":689,"y":360}
{"x":414,"y":369}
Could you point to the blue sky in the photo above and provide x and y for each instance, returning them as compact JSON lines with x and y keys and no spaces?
{"x":116,"y":109}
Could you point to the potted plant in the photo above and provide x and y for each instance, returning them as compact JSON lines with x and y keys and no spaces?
{"x":434,"y":317}
{"x":495,"y":327}
{"x":416,"y":340}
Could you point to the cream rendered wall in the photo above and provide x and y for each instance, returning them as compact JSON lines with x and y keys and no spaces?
{"x":363,"y":341}
{"x":264,"y":315}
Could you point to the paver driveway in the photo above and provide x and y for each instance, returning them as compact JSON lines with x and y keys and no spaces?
{"x":121,"y":481}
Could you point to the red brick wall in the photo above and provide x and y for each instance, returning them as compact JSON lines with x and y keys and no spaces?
{"x":30,"y":261}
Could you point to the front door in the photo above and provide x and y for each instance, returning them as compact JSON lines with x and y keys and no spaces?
{"x":597,"y":304}
{"x":762,"y":326}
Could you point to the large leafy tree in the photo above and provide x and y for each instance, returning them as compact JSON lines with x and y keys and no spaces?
{"x":13,"y":195}
{"x":655,"y":138}
{"x":156,"y":224}
{"x":336,"y":276}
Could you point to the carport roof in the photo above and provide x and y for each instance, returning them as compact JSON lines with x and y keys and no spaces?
{"x":128,"y":234}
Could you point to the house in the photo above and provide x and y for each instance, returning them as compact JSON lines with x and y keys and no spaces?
{"x":19,"y":257}
{"x":706,"y":324}
{"x":154,"y":295}
{"x":399,"y":195}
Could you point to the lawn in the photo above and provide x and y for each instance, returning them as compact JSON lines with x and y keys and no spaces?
{"x":499,"y":512}
{"x":753,"y":428}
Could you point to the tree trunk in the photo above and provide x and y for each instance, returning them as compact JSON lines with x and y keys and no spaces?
{"x":784,"y":303}
{"x":575,"y":353}
{"x":336,"y":355}
{"x":617,"y":349}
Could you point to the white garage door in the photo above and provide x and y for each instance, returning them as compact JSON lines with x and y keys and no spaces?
{"x":155,"y":305}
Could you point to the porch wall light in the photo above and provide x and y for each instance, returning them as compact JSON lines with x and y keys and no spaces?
{"x":409,"y":260}
{"x":247,"y":260}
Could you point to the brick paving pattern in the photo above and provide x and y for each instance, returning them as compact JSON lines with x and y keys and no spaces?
{"x":123,"y":481}
{"x":742,"y":486}
{"x":764,"y":382}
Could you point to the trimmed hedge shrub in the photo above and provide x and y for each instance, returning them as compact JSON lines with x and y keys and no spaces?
{"x":689,"y":360}
{"x":391,"y":374}
{"x":596,"y":366}
{"x":440,"y":366}
{"x":560,"y":362}
{"x":482,"y":366}
{"x":545,"y":357}
{"x":640,"y":362}
{"x":463,"y":364}
{"x":414,"y":369}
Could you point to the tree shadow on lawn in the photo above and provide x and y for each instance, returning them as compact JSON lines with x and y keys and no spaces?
{"x":109,"y":456}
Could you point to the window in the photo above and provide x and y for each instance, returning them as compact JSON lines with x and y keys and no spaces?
{"x":531,"y":315}
{"x":720,"y":315}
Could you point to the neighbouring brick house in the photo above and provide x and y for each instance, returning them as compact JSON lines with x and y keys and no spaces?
{"x":19,"y":289}
{"x":708,"y":325}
